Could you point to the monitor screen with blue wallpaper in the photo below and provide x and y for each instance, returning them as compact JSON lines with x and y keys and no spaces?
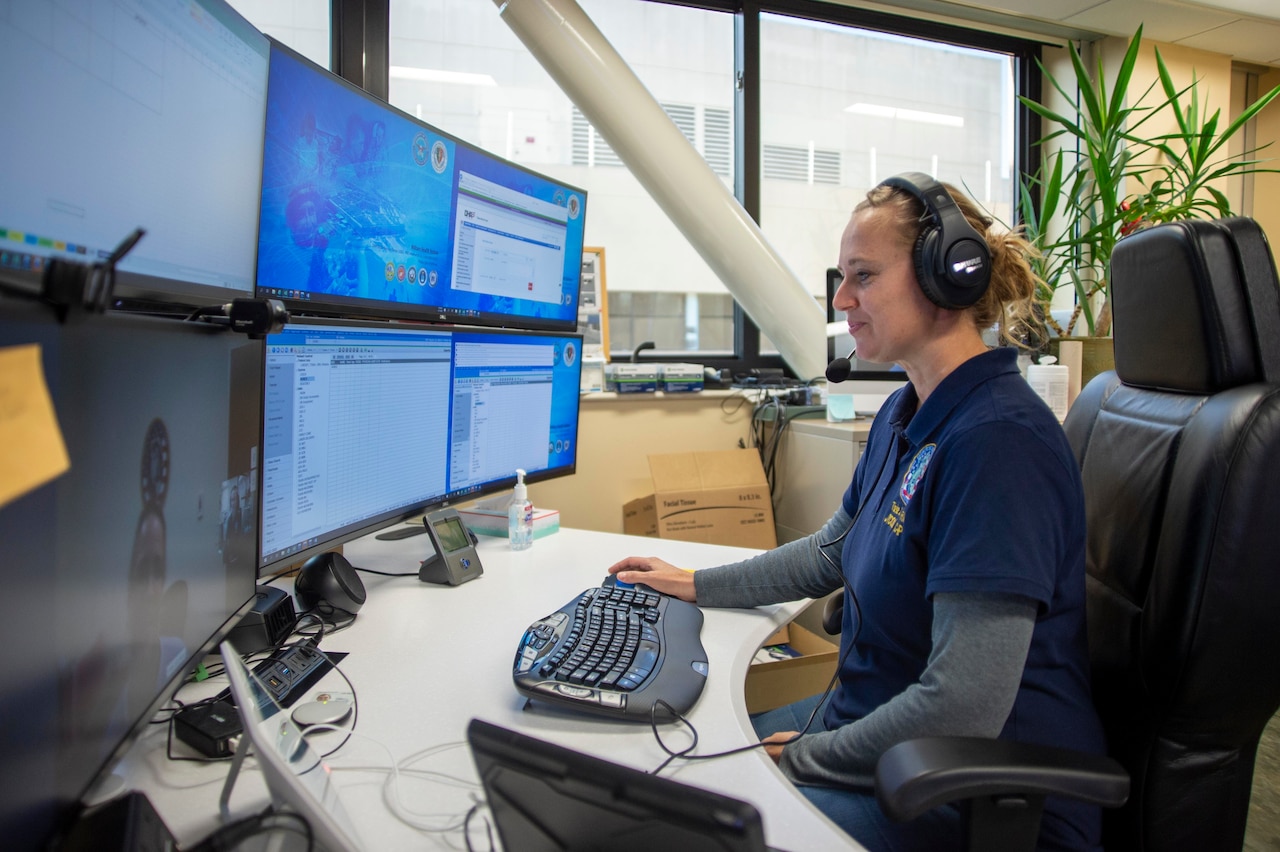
{"x":368,"y":211}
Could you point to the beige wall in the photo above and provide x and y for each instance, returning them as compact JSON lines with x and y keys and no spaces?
{"x":615,"y":437}
{"x":1213,"y":70}
{"x":1266,"y":187}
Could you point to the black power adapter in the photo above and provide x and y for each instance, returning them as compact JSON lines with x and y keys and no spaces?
{"x":210,"y":729}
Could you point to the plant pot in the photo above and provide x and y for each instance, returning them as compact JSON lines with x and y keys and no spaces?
{"x":1097,"y":355}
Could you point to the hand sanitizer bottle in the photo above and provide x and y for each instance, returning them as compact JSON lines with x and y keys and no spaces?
{"x":520,"y":516}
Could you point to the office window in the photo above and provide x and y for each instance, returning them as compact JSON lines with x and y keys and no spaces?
{"x":456,"y":65}
{"x":589,"y":147}
{"x":708,"y":130}
{"x":838,"y":104}
{"x":843,"y":108}
{"x":301,"y":24}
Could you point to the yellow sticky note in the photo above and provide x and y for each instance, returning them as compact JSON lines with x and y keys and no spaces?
{"x":32,"y":451}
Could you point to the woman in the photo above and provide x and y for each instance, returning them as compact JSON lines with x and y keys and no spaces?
{"x":960,"y":541}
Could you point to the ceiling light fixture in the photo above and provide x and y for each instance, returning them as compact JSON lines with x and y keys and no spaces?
{"x":880,"y":111}
{"x":435,"y":75}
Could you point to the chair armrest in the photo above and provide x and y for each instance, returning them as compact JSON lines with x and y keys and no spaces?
{"x":833,"y":614}
{"x":917,"y":775}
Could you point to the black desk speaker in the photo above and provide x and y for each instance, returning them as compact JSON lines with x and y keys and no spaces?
{"x":329,"y":578}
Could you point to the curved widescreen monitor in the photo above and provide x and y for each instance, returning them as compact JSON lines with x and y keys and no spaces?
{"x":366,"y":424}
{"x":133,"y":115}
{"x":369,"y":211}
{"x":122,"y":571}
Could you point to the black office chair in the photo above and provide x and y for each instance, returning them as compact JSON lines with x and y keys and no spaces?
{"x":1179,"y":449}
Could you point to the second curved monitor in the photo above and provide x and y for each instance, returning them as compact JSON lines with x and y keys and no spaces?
{"x":367,"y":210}
{"x":366,"y":424}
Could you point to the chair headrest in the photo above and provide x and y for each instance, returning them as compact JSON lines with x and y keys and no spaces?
{"x":1196,"y":306}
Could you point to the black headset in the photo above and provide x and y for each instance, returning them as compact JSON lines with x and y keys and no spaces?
{"x":953,"y":262}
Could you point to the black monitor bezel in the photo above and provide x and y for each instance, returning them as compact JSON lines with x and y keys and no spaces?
{"x":65,"y":812}
{"x":347,"y":306}
{"x":281,"y":563}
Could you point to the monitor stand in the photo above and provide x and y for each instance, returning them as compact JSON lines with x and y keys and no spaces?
{"x":397,"y":533}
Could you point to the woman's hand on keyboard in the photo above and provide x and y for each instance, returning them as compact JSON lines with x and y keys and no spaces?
{"x":658,"y":575}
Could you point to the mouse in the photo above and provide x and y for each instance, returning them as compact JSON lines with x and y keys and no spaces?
{"x":612,"y":581}
{"x":326,"y":709}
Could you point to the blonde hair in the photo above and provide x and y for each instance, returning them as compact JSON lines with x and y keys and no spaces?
{"x":1009,"y":297}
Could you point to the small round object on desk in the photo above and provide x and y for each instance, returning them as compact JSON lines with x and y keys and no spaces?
{"x":324,"y":710}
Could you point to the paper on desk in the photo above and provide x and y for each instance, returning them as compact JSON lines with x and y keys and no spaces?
{"x":31,"y":448}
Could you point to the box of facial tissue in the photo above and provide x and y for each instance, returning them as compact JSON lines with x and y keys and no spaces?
{"x":719,"y":497}
{"x":631,"y":378}
{"x":680,"y":378}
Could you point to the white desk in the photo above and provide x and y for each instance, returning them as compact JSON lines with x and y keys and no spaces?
{"x":425,"y":659}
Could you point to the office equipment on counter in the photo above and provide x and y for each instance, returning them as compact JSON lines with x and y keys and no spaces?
{"x":455,"y":560}
{"x":268,"y":624}
{"x":616,"y":652}
{"x":405,"y":652}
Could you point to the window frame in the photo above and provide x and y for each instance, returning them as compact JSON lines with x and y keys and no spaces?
{"x":360,"y":49}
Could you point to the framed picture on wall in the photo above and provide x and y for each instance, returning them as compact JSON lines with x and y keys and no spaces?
{"x":593,"y":305}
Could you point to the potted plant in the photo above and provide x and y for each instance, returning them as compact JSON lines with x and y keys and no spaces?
{"x":1105,"y":176}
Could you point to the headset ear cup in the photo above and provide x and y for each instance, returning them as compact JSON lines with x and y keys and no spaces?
{"x":925,"y":261}
{"x":952,"y":259}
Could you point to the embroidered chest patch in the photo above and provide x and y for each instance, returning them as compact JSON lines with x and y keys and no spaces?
{"x":915,"y":472}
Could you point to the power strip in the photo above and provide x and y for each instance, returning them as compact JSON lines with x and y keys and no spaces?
{"x":294,"y":667}
{"x":291,"y":671}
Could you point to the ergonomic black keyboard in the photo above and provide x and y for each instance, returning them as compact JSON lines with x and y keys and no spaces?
{"x":615,"y":652}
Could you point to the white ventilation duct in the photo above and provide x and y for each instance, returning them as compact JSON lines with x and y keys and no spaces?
{"x":580,"y":59}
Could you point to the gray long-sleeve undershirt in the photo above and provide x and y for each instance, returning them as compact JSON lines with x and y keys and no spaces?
{"x":968,"y":686}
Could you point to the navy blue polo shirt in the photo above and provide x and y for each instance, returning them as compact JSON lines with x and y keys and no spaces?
{"x":976,"y":491}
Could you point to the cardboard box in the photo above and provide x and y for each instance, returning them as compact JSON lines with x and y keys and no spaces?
{"x":493,"y":522}
{"x":712,"y":497}
{"x":778,"y":682}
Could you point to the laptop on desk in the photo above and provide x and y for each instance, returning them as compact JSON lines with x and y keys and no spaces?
{"x":296,"y":776}
{"x":545,"y":798}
